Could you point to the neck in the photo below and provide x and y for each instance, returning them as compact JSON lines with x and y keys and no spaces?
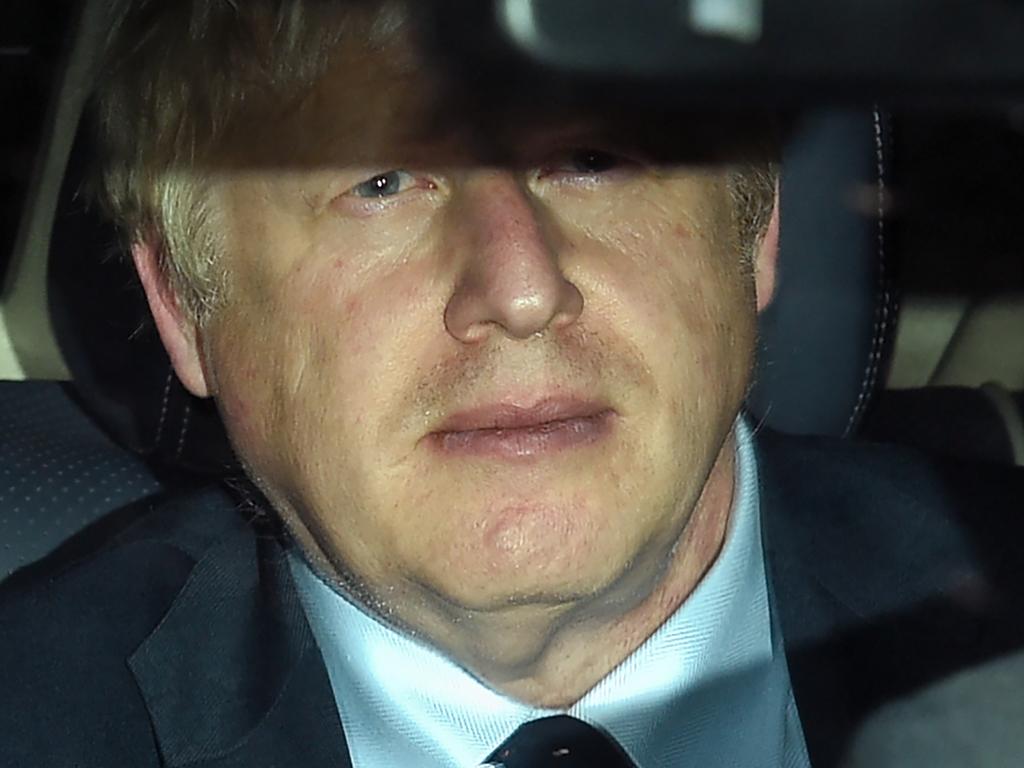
{"x":583,"y":644}
{"x":549,"y":656}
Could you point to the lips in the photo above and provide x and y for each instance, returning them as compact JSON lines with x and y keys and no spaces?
{"x":514,"y":432}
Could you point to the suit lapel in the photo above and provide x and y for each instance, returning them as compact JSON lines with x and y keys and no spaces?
{"x":232,"y":674}
{"x":891,"y":571}
{"x":807,"y":609}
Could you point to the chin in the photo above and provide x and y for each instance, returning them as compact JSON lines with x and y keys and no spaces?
{"x":531,"y":553}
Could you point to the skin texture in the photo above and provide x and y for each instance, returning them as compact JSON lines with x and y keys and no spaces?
{"x":356,"y":326}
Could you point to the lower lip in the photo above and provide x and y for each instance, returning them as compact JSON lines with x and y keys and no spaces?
{"x":526,"y":442}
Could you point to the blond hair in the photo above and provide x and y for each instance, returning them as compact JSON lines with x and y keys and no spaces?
{"x":179,"y":78}
{"x":752,"y":191}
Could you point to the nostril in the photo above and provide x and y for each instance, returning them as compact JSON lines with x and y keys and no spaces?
{"x":571,"y":305}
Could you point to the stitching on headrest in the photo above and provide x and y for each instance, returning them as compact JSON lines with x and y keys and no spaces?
{"x":883,"y":306}
{"x":184,"y":429}
{"x":163,"y":407}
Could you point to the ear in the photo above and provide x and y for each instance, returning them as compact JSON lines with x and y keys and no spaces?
{"x":766,"y":259}
{"x":177,"y":332}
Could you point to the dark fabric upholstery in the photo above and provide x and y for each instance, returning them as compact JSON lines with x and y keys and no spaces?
{"x":120,"y":370}
{"x":58,"y":471}
{"x":825,"y":339}
{"x":955,"y":421}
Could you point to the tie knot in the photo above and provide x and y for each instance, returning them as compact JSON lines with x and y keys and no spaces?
{"x":560,"y":741}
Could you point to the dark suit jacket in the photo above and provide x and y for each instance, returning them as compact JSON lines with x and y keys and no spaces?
{"x":181,"y":641}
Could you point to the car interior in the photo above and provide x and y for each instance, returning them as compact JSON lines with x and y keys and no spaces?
{"x":898,"y":319}
{"x":899,"y":316}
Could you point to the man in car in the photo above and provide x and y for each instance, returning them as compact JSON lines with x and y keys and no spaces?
{"x":487,"y":369}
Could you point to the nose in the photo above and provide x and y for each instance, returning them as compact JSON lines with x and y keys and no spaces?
{"x":509,"y":276}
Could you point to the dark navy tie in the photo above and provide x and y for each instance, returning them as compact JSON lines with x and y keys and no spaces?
{"x":559,"y":742}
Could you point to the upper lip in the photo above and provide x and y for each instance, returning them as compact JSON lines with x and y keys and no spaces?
{"x":512,"y":416}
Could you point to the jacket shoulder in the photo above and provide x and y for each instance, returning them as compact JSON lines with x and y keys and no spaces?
{"x":891,"y":570}
{"x":878,"y":528}
{"x":69,"y":622}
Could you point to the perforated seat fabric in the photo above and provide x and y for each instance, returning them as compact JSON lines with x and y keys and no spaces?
{"x":58,"y":471}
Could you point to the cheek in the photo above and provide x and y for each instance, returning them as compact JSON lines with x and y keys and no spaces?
{"x":679,"y":290}
{"x":675,"y":284}
{"x":339,"y":349}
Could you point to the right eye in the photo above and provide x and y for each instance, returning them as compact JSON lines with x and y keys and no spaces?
{"x":384,"y":185}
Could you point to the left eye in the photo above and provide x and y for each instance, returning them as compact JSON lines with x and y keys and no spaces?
{"x":384,"y":185}
{"x":592,"y":161}
{"x":585,"y":162}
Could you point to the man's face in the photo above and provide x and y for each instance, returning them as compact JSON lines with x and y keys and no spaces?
{"x":482,"y":384}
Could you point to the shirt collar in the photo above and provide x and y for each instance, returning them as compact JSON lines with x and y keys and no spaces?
{"x":403,"y":703}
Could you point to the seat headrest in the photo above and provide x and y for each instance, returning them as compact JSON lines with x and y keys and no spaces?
{"x":118,"y":365}
{"x":827,"y":337}
{"x":823,"y":341}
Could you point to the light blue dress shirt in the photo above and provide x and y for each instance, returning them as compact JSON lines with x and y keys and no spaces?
{"x":709,"y":688}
